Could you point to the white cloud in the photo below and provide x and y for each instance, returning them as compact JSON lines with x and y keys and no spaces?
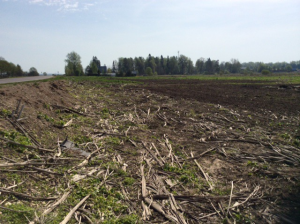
{"x":64,"y":5}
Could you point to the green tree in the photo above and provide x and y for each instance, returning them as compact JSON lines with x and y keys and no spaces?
{"x":33,"y":72}
{"x":190,"y":66}
{"x":162,"y":65}
{"x":167,"y":68}
{"x":73,"y":66}
{"x":265,"y":72}
{"x":209,"y":66}
{"x":150,"y":62}
{"x":4,"y":67}
{"x":289,"y":68}
{"x":236,"y":66}
{"x":94,"y":68}
{"x":19,"y":71}
{"x":216,"y":66}
{"x":183,"y":64}
{"x":262,"y":67}
{"x":114,"y":66}
{"x":149,"y":71}
{"x":200,"y":65}
{"x":139,"y":64}
{"x":173,"y":65}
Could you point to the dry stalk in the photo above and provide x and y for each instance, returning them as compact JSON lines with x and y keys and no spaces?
{"x":68,"y":217}
{"x":204,"y":174}
{"x":54,"y":205}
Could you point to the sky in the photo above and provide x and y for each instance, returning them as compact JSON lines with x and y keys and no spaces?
{"x":40,"y":33}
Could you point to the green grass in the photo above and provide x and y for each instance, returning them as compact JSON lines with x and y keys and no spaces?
{"x":102,"y":79}
{"x":281,"y":78}
{"x":290,"y":78}
{"x":18,"y":214}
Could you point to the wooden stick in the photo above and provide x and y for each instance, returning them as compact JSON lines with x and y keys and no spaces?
{"x":27,"y":163}
{"x":203,"y":153}
{"x":84,"y":162}
{"x":144,"y":191}
{"x":47,"y":171}
{"x":68,"y":217}
{"x":53,"y":206}
{"x":153,"y":155}
{"x":58,"y":154}
{"x":191,"y":198}
{"x":229,"y":199}
{"x":152,"y":203}
{"x":204,"y":174}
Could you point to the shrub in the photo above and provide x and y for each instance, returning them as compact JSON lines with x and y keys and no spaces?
{"x":265,"y":72}
{"x":149,"y":71}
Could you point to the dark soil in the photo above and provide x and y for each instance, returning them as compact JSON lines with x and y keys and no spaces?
{"x":253,"y":96}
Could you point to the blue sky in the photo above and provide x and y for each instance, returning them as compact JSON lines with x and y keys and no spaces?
{"x":40,"y":33}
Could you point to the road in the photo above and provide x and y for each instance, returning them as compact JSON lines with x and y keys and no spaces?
{"x":24,"y":79}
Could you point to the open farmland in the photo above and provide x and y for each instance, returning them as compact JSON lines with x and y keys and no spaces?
{"x":177,"y":150}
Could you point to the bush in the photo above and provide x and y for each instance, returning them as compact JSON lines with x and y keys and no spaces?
{"x":149,"y":71}
{"x":265,"y":72}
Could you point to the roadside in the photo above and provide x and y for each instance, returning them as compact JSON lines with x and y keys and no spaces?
{"x":24,"y":79}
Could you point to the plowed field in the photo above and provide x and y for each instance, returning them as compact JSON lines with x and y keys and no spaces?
{"x":157,"y":151}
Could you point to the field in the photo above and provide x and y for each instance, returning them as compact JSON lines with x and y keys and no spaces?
{"x":196,"y":149}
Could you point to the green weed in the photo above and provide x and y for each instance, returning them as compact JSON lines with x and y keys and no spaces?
{"x":19,"y":215}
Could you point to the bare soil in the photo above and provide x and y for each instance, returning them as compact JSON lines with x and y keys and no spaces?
{"x":249,"y":95}
{"x":141,"y":139}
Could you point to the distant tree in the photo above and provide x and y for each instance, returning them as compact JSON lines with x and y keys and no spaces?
{"x":216,"y":66}
{"x":288,"y":68}
{"x":173,"y":65}
{"x":262,"y":67}
{"x":157,"y":65}
{"x":139,"y":64}
{"x":33,"y":72}
{"x":13,"y":69}
{"x":162,"y":65}
{"x":127,"y":66}
{"x":150,"y":62}
{"x":149,"y":71}
{"x":114,"y":66}
{"x":87,"y":70}
{"x":2,"y":58}
{"x":183,"y":64}
{"x":94,"y":68}
{"x":209,"y":66}
{"x":228,"y":67}
{"x":265,"y":72}
{"x":120,"y":65}
{"x":44,"y":73}
{"x":19,"y":71}
{"x":4,"y":68}
{"x":190,"y":66}
{"x":236,"y":66}
{"x":200,"y":65}
{"x":73,"y":67}
{"x":167,"y":68}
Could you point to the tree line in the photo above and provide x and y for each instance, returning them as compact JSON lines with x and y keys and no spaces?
{"x":183,"y":65}
{"x":174,"y":65}
{"x":9,"y":69}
